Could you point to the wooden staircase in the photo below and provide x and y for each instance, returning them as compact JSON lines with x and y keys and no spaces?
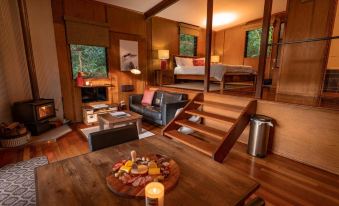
{"x":224,"y":118}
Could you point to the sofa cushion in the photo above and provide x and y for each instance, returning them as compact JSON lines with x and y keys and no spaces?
{"x":138,"y":108}
{"x":157,"y":99}
{"x":152,"y":113}
{"x":171,"y":98}
{"x":148,"y":97}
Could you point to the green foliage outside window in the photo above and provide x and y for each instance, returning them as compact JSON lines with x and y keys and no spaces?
{"x":89,"y":59}
{"x":188,"y":45}
{"x":253,"y":39}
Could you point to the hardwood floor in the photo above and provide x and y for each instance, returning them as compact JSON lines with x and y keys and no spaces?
{"x":283,"y":181}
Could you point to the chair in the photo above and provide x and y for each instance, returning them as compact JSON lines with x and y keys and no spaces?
{"x":110,"y":137}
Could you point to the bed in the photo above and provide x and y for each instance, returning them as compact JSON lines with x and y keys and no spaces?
{"x":218,"y":72}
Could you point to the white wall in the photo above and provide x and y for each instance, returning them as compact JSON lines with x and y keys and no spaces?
{"x":44,"y":51}
{"x":14,"y":79}
{"x":14,"y":75}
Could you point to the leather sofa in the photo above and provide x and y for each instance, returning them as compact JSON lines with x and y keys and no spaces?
{"x":163,"y":108}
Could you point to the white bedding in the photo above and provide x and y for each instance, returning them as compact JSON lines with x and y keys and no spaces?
{"x":217,"y":70}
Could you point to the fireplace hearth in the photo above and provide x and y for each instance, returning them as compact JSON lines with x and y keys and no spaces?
{"x":35,"y":114}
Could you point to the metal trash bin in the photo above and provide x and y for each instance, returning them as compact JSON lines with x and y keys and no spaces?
{"x":259,"y":135}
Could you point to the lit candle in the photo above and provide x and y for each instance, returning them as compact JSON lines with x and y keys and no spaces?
{"x":87,"y":83}
{"x":154,"y":194}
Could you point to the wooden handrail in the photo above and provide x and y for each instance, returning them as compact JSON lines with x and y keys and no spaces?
{"x":235,"y":131}
{"x":305,"y":40}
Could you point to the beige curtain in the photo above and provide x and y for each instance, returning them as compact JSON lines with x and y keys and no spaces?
{"x":189,"y":29}
{"x":87,"y":32}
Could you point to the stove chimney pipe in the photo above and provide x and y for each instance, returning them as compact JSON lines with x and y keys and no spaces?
{"x":28,"y":49}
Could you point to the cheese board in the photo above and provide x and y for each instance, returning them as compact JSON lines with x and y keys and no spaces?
{"x":129,"y":177}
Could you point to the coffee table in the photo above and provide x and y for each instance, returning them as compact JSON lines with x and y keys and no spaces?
{"x":108,"y":119}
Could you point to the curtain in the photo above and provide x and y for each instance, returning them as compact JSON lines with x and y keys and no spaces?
{"x":189,"y":29}
{"x":87,"y":32}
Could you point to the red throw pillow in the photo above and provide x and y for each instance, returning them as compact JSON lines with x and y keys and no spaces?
{"x":198,"y":62}
{"x":148,"y":97}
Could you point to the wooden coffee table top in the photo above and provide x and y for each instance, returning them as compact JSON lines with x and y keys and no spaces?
{"x":109,"y":119}
{"x":81,"y":180}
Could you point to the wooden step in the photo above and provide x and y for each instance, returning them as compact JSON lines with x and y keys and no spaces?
{"x":211,"y":116}
{"x":209,"y":131}
{"x":193,"y":142}
{"x":229,"y":107}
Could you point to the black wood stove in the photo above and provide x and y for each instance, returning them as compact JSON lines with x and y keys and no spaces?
{"x":35,"y":114}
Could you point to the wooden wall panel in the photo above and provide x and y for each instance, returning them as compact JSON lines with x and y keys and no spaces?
{"x":136,"y":25}
{"x":234,"y":45}
{"x":303,"y":65}
{"x":65,"y":70}
{"x":133,"y":27}
{"x":305,"y":134}
{"x":85,"y":9}
{"x":201,"y":50}
{"x":123,"y":78}
{"x":333,"y":61}
{"x":165,"y":35}
{"x":219,"y":44}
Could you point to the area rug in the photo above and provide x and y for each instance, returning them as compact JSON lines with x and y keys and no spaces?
{"x":17,"y":182}
{"x":199,"y":86}
{"x":87,"y":131}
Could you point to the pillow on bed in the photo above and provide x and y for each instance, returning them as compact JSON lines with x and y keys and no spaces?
{"x":199,"y":62}
{"x":184,"y":62}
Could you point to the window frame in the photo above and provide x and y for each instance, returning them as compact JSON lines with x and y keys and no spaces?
{"x":195,"y":52}
{"x":87,"y":77}
{"x":246,"y":42}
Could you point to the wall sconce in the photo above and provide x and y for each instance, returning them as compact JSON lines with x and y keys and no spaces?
{"x":163,"y":55}
{"x":136,"y":71}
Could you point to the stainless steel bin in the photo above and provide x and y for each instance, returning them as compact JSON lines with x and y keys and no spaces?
{"x":259,"y":135}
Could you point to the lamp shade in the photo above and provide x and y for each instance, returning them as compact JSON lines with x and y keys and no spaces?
{"x":215,"y":59}
{"x":135,"y":71}
{"x":163,"y":54}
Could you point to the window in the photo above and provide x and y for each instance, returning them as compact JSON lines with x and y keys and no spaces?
{"x":253,"y":38}
{"x":188,"y":45}
{"x":89,"y":59}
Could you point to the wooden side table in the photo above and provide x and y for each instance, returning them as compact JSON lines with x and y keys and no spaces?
{"x":108,"y":119}
{"x":164,"y":76}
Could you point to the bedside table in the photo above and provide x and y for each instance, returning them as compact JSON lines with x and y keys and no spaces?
{"x":164,"y":76}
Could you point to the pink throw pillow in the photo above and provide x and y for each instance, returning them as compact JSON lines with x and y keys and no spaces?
{"x":199,"y":62}
{"x":148,"y":97}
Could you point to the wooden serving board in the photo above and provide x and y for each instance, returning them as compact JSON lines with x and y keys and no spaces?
{"x":117,"y":187}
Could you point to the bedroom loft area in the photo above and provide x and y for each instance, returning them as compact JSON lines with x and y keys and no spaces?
{"x":311,"y":81}
{"x":156,"y":93}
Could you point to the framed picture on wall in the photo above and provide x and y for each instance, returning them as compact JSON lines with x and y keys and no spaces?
{"x":128,"y":55}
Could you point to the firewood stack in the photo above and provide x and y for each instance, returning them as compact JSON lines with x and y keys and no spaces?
{"x":13,"y":135}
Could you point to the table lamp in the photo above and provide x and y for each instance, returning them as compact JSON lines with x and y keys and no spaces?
{"x":163,"y":55}
{"x":215,"y":59}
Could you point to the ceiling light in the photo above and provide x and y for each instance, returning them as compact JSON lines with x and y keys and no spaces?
{"x":221,"y":19}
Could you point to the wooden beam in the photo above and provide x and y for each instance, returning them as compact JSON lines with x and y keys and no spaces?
{"x":263,"y":48}
{"x":28,"y":48}
{"x":209,"y":32}
{"x":158,"y":8}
